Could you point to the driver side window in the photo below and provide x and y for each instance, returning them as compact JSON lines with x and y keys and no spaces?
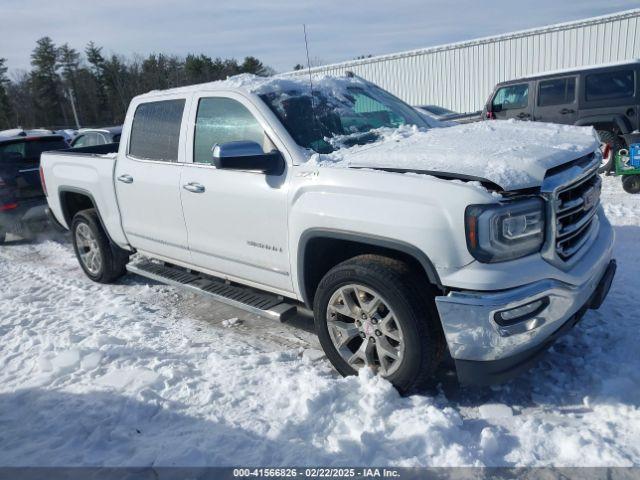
{"x":221,"y":120}
{"x":512,"y":97}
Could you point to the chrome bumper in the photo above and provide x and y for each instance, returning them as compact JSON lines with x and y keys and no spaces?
{"x":469,"y":322}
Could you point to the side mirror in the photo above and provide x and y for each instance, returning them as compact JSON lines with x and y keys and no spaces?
{"x":496,"y":108}
{"x":245,"y":155}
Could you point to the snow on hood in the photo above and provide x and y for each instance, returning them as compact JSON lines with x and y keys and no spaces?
{"x":511,"y":154}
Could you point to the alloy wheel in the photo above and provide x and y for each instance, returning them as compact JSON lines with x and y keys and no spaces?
{"x":364,"y":329}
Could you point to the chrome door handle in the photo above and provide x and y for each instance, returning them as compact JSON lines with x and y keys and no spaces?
{"x":125,"y":178}
{"x":194,"y":187}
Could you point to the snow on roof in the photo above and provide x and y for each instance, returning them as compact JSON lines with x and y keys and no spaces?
{"x":259,"y":85}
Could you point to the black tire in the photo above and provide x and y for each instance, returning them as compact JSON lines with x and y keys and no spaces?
{"x":407,"y":294}
{"x":631,"y":183}
{"x":113,"y":258}
{"x":615,"y":144}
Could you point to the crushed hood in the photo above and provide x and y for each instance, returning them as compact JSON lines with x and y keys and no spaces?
{"x":511,"y":154}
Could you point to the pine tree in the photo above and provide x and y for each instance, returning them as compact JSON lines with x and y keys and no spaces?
{"x":68,"y":61}
{"x":6,"y":112}
{"x":46,"y":82}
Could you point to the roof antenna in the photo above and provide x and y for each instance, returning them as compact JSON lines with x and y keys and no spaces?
{"x":313,"y":107}
{"x":306,"y":46}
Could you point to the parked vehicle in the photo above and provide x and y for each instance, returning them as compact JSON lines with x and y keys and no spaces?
{"x":99,"y":136}
{"x":401,"y":250}
{"x":22,"y":201}
{"x":606,"y":97}
{"x":444,"y":114}
{"x":437,"y":111}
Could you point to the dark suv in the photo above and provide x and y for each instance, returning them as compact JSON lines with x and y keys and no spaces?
{"x":22,"y":200}
{"x":605,"y":97}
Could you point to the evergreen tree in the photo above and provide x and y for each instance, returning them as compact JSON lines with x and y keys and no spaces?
{"x":6,"y":111}
{"x":46,"y":83}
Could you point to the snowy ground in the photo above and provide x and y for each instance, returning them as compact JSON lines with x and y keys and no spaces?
{"x":138,"y":374}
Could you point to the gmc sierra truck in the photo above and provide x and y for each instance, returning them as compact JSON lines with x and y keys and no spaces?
{"x":408,"y":241}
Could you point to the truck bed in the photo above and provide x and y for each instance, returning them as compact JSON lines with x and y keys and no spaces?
{"x":88,"y":171}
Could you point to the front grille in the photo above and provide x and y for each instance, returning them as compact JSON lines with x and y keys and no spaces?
{"x":575,"y":215}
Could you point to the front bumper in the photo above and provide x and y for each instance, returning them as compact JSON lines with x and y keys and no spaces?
{"x":486,"y":352}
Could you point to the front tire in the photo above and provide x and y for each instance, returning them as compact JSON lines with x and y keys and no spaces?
{"x":375,"y":311}
{"x":100,"y":260}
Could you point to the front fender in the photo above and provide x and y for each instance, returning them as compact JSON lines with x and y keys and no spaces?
{"x":416,"y":214}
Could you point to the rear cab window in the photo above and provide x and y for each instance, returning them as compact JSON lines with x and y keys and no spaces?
{"x":155,"y":131}
{"x":29,"y":149}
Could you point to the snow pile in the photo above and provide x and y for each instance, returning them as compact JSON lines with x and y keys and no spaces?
{"x":511,"y":154}
{"x":138,"y":374}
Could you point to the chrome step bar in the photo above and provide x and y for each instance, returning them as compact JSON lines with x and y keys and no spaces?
{"x":264,"y":304}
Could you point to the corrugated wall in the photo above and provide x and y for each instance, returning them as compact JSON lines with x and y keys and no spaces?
{"x":460,"y":76}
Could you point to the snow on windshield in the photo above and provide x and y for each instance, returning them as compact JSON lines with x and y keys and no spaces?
{"x":331,"y":112}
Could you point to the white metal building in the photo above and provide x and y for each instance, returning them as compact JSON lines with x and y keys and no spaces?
{"x":461,"y":75}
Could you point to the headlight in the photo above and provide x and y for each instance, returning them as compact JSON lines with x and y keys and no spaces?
{"x":505,"y":231}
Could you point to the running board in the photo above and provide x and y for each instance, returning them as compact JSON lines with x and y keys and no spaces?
{"x":264,"y":304}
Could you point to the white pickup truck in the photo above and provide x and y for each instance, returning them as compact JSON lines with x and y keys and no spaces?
{"x":410,"y":242}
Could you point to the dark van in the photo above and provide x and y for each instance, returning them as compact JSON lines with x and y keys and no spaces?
{"x":606,"y":97}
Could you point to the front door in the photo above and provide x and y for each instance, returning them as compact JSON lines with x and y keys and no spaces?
{"x":556,"y":101}
{"x":236,"y":220}
{"x":512,"y":101}
{"x":147,"y":180}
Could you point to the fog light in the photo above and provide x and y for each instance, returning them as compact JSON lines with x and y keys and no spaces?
{"x":521,"y":313}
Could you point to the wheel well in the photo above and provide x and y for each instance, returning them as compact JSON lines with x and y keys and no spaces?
{"x":321,"y":254}
{"x":72,"y":203}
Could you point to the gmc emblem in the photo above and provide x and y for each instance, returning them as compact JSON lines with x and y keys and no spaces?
{"x":590,"y":198}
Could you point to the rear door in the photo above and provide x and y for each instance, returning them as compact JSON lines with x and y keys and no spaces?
{"x":147,"y":177}
{"x":513,"y":101}
{"x":556,"y":100}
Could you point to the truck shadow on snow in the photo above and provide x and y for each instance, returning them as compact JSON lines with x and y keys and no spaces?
{"x":54,"y":428}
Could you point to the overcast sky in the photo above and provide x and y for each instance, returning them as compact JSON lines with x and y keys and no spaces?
{"x":272,"y":29}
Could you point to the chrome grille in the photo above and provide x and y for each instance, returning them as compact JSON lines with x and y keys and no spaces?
{"x":575,"y":214}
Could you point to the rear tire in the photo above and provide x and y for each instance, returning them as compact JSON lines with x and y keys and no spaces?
{"x":101,"y":260}
{"x":615,"y":144}
{"x":405,"y":319}
{"x":631,"y":183}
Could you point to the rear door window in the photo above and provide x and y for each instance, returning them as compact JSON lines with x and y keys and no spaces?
{"x":557,"y":91}
{"x":610,"y":85}
{"x":512,"y":96}
{"x":155,"y":132}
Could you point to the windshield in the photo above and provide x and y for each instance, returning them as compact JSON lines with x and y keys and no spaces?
{"x":329,"y":120}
